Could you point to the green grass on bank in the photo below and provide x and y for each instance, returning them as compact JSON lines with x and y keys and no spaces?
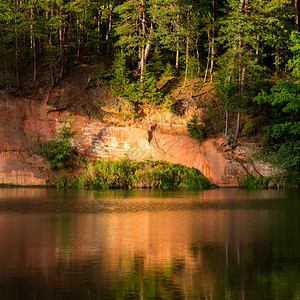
{"x":278,"y":181}
{"x":128,"y":174}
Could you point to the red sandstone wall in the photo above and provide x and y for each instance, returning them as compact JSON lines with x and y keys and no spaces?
{"x":22,"y":121}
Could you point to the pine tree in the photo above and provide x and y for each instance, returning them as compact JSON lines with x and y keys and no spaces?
{"x":241,"y":36}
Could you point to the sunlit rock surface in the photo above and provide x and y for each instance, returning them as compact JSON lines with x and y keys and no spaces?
{"x":23,"y":121}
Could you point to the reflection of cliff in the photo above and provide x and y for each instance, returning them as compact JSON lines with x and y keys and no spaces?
{"x":188,"y":250}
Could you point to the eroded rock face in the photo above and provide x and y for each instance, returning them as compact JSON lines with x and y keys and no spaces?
{"x":23,"y":121}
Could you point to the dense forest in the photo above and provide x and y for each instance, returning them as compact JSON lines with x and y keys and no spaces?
{"x":248,"y":49}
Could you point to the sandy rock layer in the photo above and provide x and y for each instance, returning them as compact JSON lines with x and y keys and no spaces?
{"x":23,"y":121}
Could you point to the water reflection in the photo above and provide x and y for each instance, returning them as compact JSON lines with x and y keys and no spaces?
{"x":220,"y":244}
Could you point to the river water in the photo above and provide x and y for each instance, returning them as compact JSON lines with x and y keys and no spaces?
{"x":215,"y":244}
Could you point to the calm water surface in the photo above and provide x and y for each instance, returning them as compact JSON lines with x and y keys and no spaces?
{"x":218,"y":244}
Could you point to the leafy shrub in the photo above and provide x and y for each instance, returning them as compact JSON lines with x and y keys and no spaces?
{"x":195,"y":129}
{"x":284,"y":129}
{"x":169,"y":176}
{"x":168,"y":70}
{"x":114,"y":174}
{"x":266,"y":142}
{"x":288,"y":156}
{"x":133,"y":91}
{"x":59,"y":152}
{"x":285,"y":181}
{"x":250,"y":127}
{"x":120,"y":80}
{"x":128,"y":174}
{"x":253,"y":183}
{"x":169,"y":104}
{"x":150,"y":91}
{"x":199,"y":182}
{"x":100,"y":76}
{"x":68,"y":182}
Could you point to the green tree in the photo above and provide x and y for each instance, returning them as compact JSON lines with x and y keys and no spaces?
{"x":284,"y":100}
{"x":135,"y":31}
{"x":59,"y":152}
{"x":284,"y":128}
{"x":294,"y":63}
{"x":245,"y":31}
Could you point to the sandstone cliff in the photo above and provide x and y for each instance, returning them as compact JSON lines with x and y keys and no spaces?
{"x":105,"y":132}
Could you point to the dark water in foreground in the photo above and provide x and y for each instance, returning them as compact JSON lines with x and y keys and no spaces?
{"x":219,"y":244}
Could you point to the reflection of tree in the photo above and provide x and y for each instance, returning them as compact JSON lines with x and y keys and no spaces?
{"x":264,"y":271}
{"x":253,"y":270}
{"x":140,"y":283}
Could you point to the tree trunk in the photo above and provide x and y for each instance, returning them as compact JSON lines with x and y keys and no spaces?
{"x":148,"y":45}
{"x":143,"y":33}
{"x":242,"y":83}
{"x":186,"y":60}
{"x":144,"y":51}
{"x":177,"y":56}
{"x":79,"y":27}
{"x":212,"y":42}
{"x":198,"y":57}
{"x":61,"y":46}
{"x":32,"y":44}
{"x":212,"y":60}
{"x":16,"y":47}
{"x":34,"y":61}
{"x":177,"y":45}
{"x":238,"y":122}
{"x":297,"y":15}
{"x":208,"y":57}
{"x":226,"y":122}
{"x":109,"y":25}
{"x":98,"y":28}
{"x":5,"y":69}
{"x":51,"y":74}
{"x":192,"y":83}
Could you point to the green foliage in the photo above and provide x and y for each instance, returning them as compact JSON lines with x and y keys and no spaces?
{"x":287,"y":156}
{"x":128,"y":174}
{"x":253,"y":183}
{"x":286,"y":180}
{"x":134,"y":91}
{"x":284,"y":128}
{"x":196,"y":130}
{"x":117,"y":174}
{"x":266,"y":142}
{"x":150,"y":91}
{"x":170,"y":176}
{"x":199,"y":182}
{"x":169,"y":104}
{"x":68,"y":182}
{"x":251,"y":127}
{"x":100,"y":76}
{"x":119,"y":82}
{"x":59,"y":152}
{"x":168,"y":70}
{"x":294,"y":63}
